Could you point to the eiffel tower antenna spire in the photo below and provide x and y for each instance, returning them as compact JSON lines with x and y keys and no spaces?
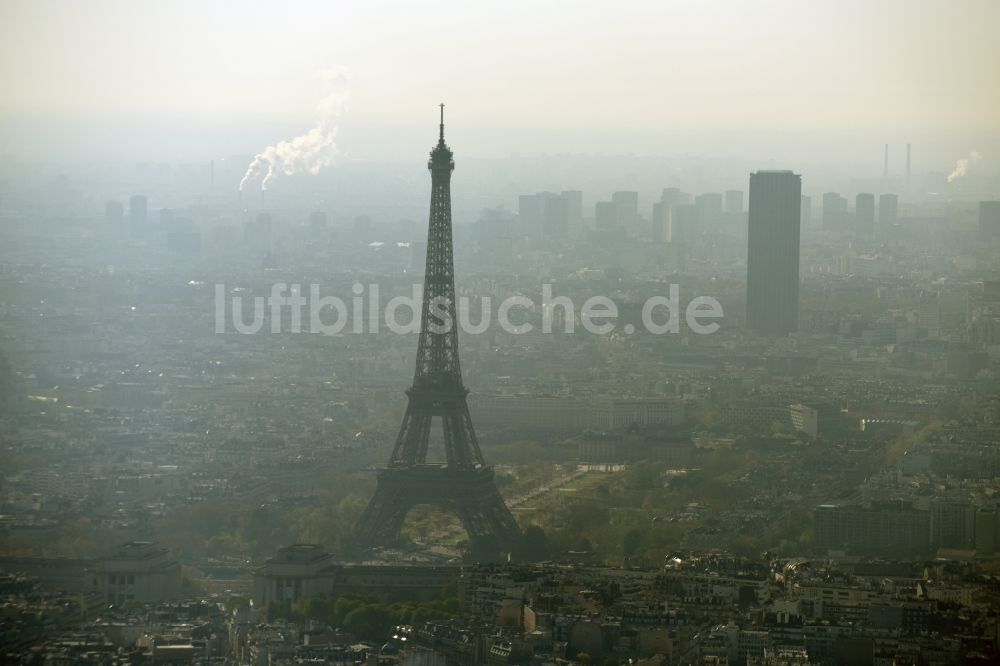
{"x":462,"y":482}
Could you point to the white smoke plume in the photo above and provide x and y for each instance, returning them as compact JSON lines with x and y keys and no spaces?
{"x":962,"y":166}
{"x":312,"y":151}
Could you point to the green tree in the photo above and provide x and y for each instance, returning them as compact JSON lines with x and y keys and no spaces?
{"x":531,"y":546}
{"x":748,"y":547}
{"x":370,"y":621}
{"x":342,"y":607}
{"x":631,"y":541}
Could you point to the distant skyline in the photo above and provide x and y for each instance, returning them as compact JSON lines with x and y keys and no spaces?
{"x":803,"y":82}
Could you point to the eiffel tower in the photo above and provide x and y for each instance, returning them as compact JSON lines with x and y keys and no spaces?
{"x":462,"y":482}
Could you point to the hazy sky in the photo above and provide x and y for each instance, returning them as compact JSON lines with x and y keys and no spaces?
{"x":123,"y":79}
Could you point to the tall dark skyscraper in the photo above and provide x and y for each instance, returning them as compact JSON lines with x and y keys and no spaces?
{"x":664,"y":217}
{"x":888,"y":210}
{"x":574,"y":210}
{"x":659,"y":221}
{"x":709,"y":207}
{"x":834,"y":212}
{"x":864,"y":214}
{"x":684,"y":223}
{"x":604,"y":216}
{"x":672,"y":196}
{"x":550,"y":215}
{"x":627,"y":211}
{"x":437,"y":459}
{"x":773,"y":252}
{"x":529,"y":214}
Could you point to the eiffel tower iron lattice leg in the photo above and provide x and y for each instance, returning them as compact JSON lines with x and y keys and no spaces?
{"x":462,"y":483}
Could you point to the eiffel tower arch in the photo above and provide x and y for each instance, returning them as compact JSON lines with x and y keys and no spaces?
{"x":461,"y":483}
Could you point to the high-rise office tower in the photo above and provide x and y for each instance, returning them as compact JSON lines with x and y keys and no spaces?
{"x":574,"y":210}
{"x":604,"y":216}
{"x":494,"y":223}
{"x":627,"y":211}
{"x":989,"y":221}
{"x":663,"y":223}
{"x":734,"y":202}
{"x":672,"y":196}
{"x":709,"y":207}
{"x":529,"y":214}
{"x":660,"y":217}
{"x":555,"y":215}
{"x":888,"y":210}
{"x":684,"y":223}
{"x":834,"y":211}
{"x":549,"y":215}
{"x":138,"y":213}
{"x":773,"y":252}
{"x":864,"y":214}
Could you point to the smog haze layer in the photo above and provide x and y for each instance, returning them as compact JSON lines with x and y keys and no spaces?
{"x":777,"y":79}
